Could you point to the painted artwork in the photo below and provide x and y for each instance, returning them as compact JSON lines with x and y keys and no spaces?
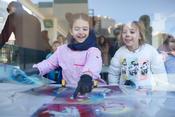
{"x":100,"y":102}
{"x":108,"y":107}
{"x":64,"y":95}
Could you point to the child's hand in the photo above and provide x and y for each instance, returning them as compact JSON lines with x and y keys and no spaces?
{"x":85,"y":85}
{"x":130,"y":83}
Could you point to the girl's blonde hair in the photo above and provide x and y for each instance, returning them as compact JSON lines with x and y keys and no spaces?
{"x":141,"y":29}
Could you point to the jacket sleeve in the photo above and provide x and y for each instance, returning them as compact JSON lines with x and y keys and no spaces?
{"x":49,"y":64}
{"x":93,"y":65}
{"x":7,"y":30}
{"x":114,"y":70}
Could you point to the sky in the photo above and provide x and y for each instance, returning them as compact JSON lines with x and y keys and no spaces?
{"x":161,"y":12}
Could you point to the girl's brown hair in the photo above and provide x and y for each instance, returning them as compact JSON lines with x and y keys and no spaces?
{"x":71,"y":18}
{"x":56,"y":41}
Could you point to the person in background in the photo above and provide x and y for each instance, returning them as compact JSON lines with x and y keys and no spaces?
{"x":61,"y":38}
{"x":167,"y":50}
{"x":55,"y":75}
{"x":104,"y":47}
{"x":26,"y":27}
{"x":165,"y":46}
{"x":45,"y":42}
{"x":114,"y":46}
{"x":80,"y":59}
{"x":135,"y":62}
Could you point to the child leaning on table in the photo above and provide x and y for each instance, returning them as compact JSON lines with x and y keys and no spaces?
{"x":80,"y":59}
{"x":135,"y":62}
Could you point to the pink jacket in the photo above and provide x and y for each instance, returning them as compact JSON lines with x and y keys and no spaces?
{"x":73,"y":63}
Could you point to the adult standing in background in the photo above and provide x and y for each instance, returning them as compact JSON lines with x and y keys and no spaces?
{"x":103,"y":45}
{"x":26,"y":28}
{"x":114,"y":46}
{"x":45,"y":41}
{"x":145,"y":19}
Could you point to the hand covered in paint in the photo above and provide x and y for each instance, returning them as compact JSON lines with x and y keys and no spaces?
{"x":130,"y":83}
{"x":85,"y":85}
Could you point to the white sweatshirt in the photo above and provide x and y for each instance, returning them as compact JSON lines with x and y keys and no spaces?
{"x":138,"y":66}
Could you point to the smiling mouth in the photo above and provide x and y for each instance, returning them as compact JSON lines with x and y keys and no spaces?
{"x":81,"y":36}
{"x":128,"y":40}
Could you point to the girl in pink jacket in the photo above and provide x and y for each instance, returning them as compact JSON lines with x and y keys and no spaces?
{"x":80,"y":59}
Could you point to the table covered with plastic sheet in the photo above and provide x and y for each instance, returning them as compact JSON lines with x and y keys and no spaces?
{"x":52,"y":100}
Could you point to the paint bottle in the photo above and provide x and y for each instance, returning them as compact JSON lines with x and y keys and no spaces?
{"x":95,"y":84}
{"x":63,"y":83}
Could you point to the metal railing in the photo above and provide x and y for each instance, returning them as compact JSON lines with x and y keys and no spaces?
{"x":23,"y":57}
